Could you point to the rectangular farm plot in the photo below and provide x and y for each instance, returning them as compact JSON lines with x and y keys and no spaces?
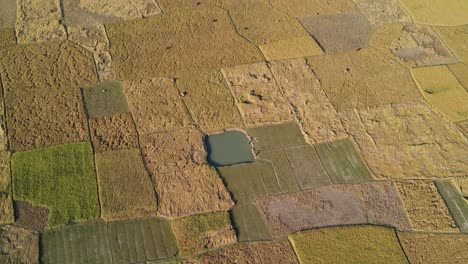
{"x":244,"y":181}
{"x":307,"y":167}
{"x":443,"y":90}
{"x":105,"y":99}
{"x":51,"y":93}
{"x":60,"y":178}
{"x":426,"y":208}
{"x":84,"y":243}
{"x":187,"y":41}
{"x":200,"y":185}
{"x":156,"y":105}
{"x":368,"y":203}
{"x":342,"y":162}
{"x":258,"y":95}
{"x":456,"y":204}
{"x":249,"y":224}
{"x":362,"y":244}
{"x":277,"y":136}
{"x":281,"y":174}
{"x":113,"y":132}
{"x":125,"y":188}
{"x":203,"y":232}
{"x":140,"y":240}
{"x":209,"y":101}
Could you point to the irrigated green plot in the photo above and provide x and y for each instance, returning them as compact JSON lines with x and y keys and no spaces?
{"x":361,"y":244}
{"x":105,"y":99}
{"x":307,"y":167}
{"x":84,"y":243}
{"x":277,"y":136}
{"x":140,"y":240}
{"x":456,"y":204}
{"x":342,"y":162}
{"x":125,"y":188}
{"x":283,"y":174}
{"x":60,"y":178}
{"x":249,"y":223}
{"x":244,"y":181}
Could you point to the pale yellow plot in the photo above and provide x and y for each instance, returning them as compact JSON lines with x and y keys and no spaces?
{"x":443,"y":90}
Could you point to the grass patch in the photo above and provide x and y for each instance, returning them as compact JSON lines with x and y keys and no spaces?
{"x":60,"y":178}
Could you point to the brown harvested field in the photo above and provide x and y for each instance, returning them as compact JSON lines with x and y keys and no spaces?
{"x":349,"y":79}
{"x":51,"y":93}
{"x":426,"y":208}
{"x":258,"y":96}
{"x":136,"y":43}
{"x":173,"y":150}
{"x":422,"y":248}
{"x":312,"y":107}
{"x":6,"y":205}
{"x":199,"y":233}
{"x":29,"y":216}
{"x":18,"y":245}
{"x":113,"y":132}
{"x":125,"y":188}
{"x":261,"y":23}
{"x":209,"y":101}
{"x":6,"y":208}
{"x":201,"y":185}
{"x":156,"y":105}
{"x":255,"y":253}
{"x":408,"y":140}
{"x":369,"y":203}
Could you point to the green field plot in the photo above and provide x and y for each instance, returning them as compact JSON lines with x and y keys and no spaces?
{"x":60,"y":178}
{"x":342,"y":162}
{"x":105,"y":99}
{"x":139,"y":240}
{"x":244,"y":181}
{"x":362,"y":244}
{"x":283,"y":174}
{"x":249,"y":223}
{"x":456,"y":204}
{"x":277,"y":136}
{"x":307,"y":167}
{"x":125,"y":188}
{"x":199,"y":233}
{"x":84,"y":243}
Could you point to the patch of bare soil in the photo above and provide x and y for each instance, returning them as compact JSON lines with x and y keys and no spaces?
{"x":369,"y":203}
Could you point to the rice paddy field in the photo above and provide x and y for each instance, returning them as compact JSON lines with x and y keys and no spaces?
{"x":233,"y":131}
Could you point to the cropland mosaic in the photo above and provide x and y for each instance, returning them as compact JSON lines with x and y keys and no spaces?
{"x":233,"y":131}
